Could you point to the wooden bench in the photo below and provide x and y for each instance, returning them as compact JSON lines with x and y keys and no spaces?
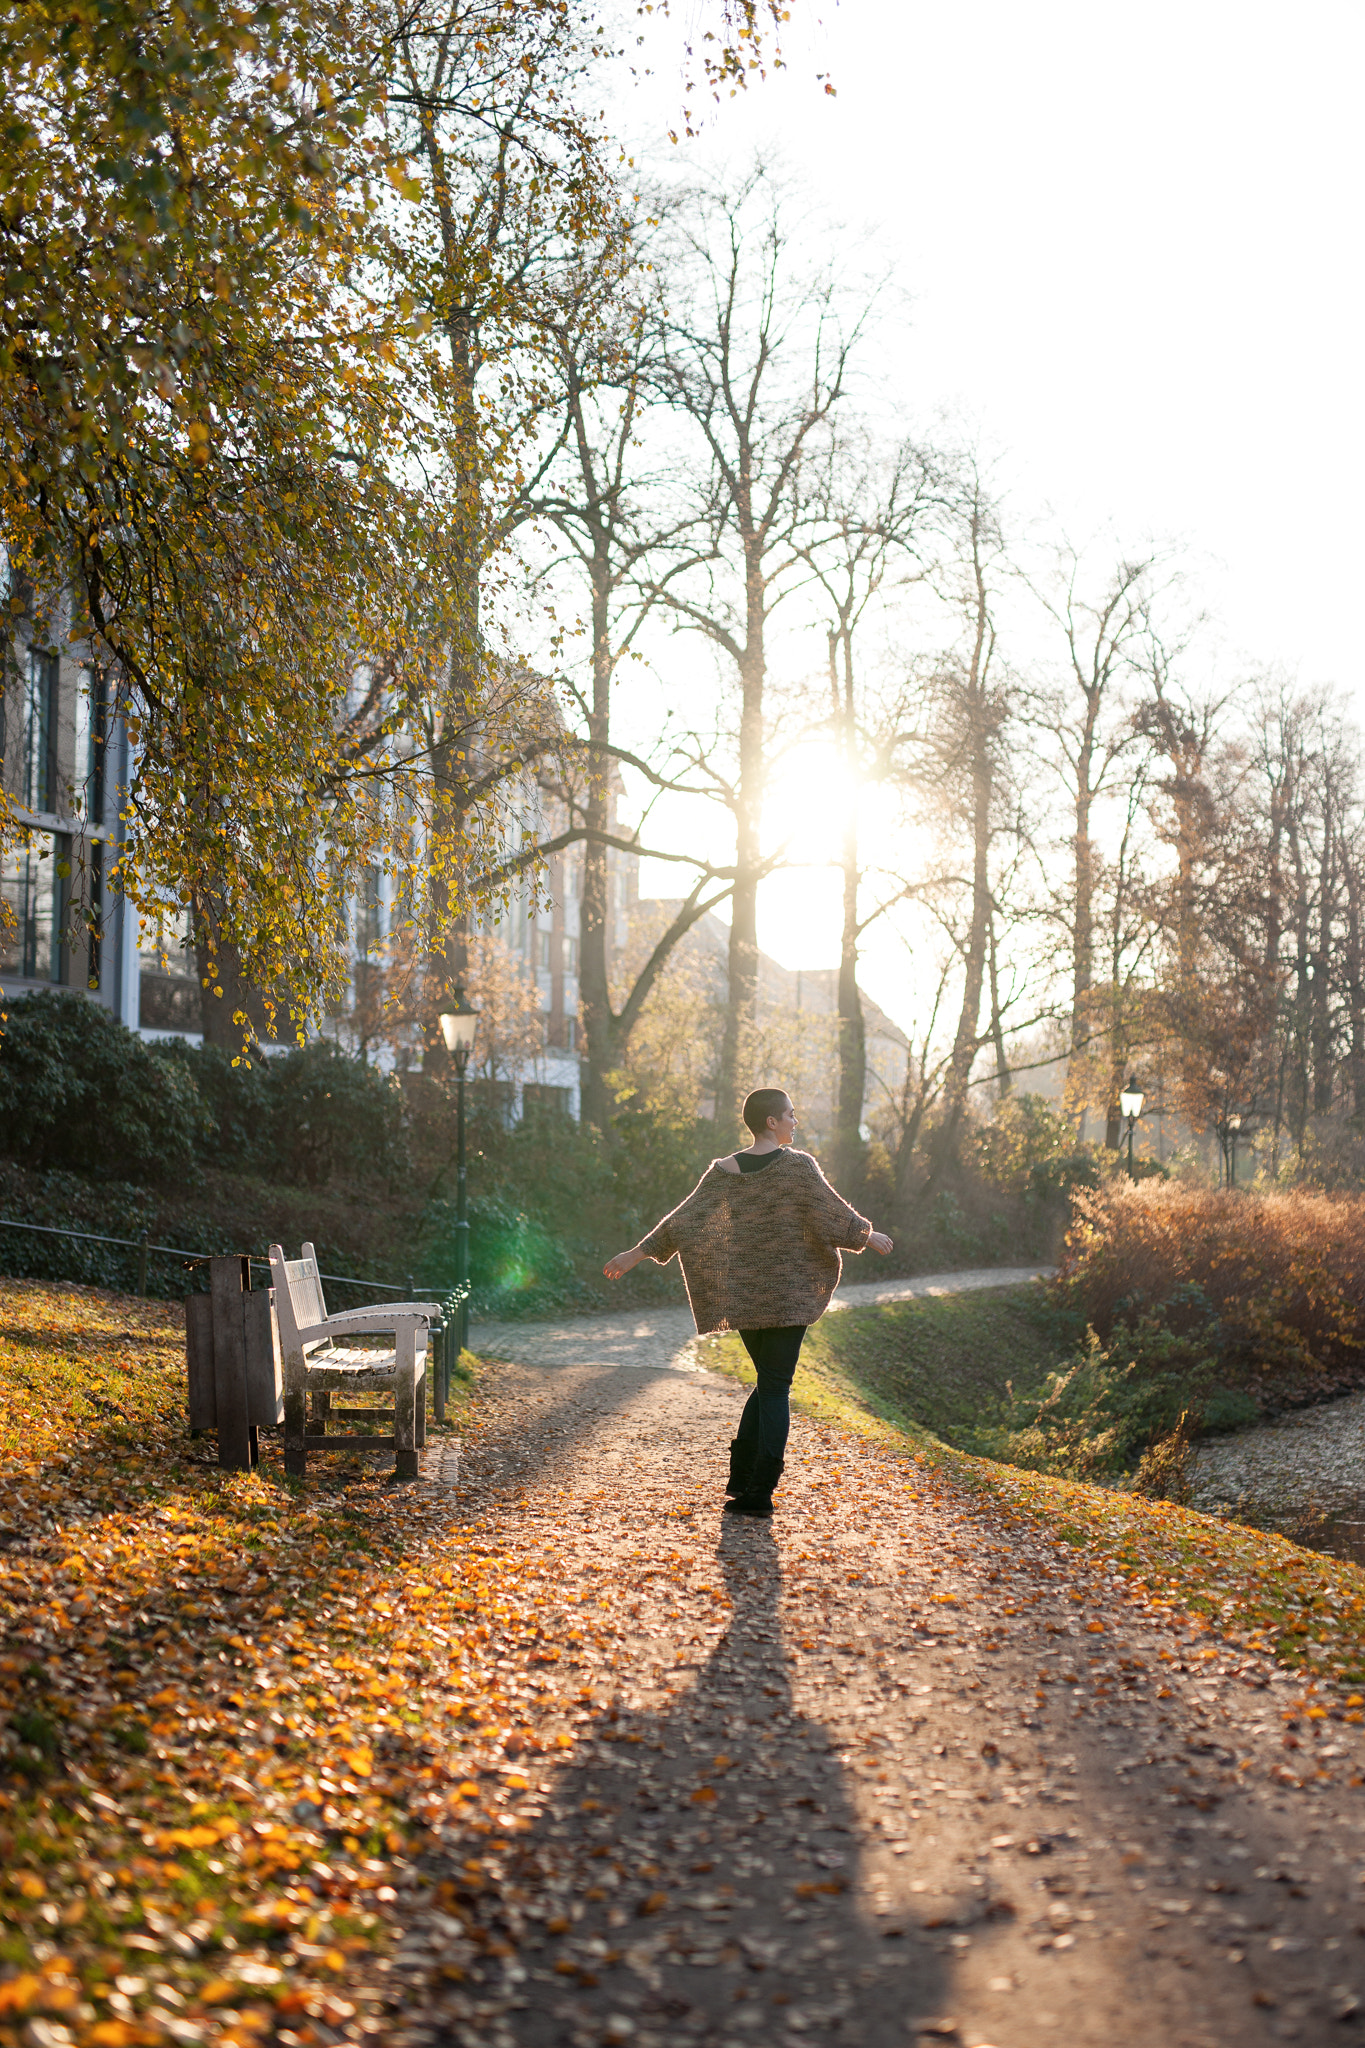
{"x":316,"y":1367}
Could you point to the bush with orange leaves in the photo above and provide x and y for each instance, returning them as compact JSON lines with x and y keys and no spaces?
{"x":1272,"y":1285}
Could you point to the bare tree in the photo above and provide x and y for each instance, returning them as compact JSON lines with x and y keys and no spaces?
{"x":606,"y":506}
{"x":756,"y":358}
{"x":1086,"y":725}
{"x":870,"y":531}
{"x":971,"y":708}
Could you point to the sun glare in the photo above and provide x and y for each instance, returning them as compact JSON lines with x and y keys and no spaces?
{"x":808,"y":801}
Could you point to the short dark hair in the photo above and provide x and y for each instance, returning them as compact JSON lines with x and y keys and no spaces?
{"x":763,"y":1103}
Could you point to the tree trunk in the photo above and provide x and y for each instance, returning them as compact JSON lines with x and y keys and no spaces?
{"x":1004,"y":1080}
{"x":1322,"y":953}
{"x":979,"y":736}
{"x":1299,"y":1078}
{"x":967,"y":1038}
{"x":1083,"y":914}
{"x":852,"y":1030}
{"x":741,"y":1013}
{"x":1355,"y":984}
{"x":223,"y":993}
{"x":594,"y":980}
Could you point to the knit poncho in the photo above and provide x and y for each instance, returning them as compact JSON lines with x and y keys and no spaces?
{"x":759,"y":1250}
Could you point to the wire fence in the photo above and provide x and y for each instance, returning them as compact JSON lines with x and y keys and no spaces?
{"x":107,"y":1268}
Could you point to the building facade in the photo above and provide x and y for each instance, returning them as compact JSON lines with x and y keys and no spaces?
{"x":63,"y":769}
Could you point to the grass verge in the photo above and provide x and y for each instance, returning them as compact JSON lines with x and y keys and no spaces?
{"x":920,"y":1375}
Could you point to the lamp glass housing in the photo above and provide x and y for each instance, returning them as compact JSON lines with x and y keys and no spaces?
{"x":458,"y":1028}
{"x":1130,"y":1102}
{"x":1234,"y":1123}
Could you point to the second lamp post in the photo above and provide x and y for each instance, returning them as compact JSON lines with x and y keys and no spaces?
{"x":1130,"y":1106}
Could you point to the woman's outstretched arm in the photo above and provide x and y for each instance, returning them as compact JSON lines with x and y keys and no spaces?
{"x":615,"y":1269}
{"x":659,"y":1244}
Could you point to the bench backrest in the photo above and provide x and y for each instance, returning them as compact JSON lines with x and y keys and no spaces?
{"x":298,"y":1292}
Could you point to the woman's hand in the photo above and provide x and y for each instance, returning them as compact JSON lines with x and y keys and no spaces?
{"x":879,"y":1242}
{"x":616,"y":1268}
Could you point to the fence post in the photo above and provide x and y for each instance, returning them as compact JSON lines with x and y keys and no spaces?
{"x":142,"y":1262}
{"x":438,"y":1369}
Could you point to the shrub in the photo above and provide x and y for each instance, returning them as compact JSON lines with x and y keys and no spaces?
{"x":517,"y":1267}
{"x":1104,"y":1410}
{"x":81,"y":1092}
{"x":332,"y":1116}
{"x":1274,"y":1284}
{"x":1029,"y":1148}
{"x":1164,"y":1471}
{"x":238,"y":1106}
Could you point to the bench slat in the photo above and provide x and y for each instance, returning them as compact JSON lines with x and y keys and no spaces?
{"x":342,"y":1442}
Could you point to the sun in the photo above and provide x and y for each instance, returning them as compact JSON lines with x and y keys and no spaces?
{"x":810,"y":798}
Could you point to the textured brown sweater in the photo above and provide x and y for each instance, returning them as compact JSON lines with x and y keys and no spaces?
{"x":759,"y":1251}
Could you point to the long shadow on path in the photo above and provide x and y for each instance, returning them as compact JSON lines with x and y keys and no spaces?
{"x":706,"y":1857}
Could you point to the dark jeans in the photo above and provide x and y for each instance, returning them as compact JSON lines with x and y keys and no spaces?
{"x":766,"y":1420}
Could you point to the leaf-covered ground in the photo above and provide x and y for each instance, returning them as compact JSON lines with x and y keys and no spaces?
{"x":345,"y":1760}
{"x":900,"y":1371}
{"x":223,"y":1698}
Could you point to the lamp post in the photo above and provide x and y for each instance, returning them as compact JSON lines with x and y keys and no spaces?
{"x":457,"y":1028}
{"x":1130,"y":1106}
{"x":1234,"y":1126}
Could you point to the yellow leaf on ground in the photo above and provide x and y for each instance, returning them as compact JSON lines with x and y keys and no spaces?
{"x":19,"y":1993}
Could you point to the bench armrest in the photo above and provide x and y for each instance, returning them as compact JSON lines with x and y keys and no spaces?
{"x":374,"y":1321}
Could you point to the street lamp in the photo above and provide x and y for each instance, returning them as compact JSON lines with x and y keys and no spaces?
{"x":458,"y":1027}
{"x":1130,"y":1106}
{"x":1234,"y":1126}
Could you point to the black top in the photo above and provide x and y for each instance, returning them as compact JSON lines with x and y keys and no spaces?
{"x":754,"y":1162}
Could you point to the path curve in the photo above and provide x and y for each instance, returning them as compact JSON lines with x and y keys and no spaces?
{"x":654,"y":1339}
{"x":896,"y":1767}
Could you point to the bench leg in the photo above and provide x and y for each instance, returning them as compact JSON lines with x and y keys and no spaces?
{"x":295,"y":1419}
{"x":405,"y":1407}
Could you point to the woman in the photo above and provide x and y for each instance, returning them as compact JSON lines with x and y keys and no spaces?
{"x":759,"y":1240}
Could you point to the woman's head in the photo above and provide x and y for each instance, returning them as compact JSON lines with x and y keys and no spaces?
{"x":769,"y":1114}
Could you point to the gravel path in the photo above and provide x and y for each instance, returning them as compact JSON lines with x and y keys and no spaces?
{"x":890,"y":1768}
{"x":654,"y":1337}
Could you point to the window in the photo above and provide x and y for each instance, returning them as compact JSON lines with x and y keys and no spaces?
{"x":94,"y":954}
{"x":570,"y":956}
{"x":370,"y":915}
{"x":539,"y":1100}
{"x":92,"y":711}
{"x":38,"y":733}
{"x":543,"y":943}
{"x":31,"y":945}
{"x":571,"y":1033}
{"x":168,"y":980}
{"x":494,"y":1100}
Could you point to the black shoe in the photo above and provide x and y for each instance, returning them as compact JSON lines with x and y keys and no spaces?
{"x":741,"y":1465}
{"x":757,"y":1497}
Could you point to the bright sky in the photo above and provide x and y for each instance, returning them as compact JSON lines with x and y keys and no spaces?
{"x":1132,"y":241}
